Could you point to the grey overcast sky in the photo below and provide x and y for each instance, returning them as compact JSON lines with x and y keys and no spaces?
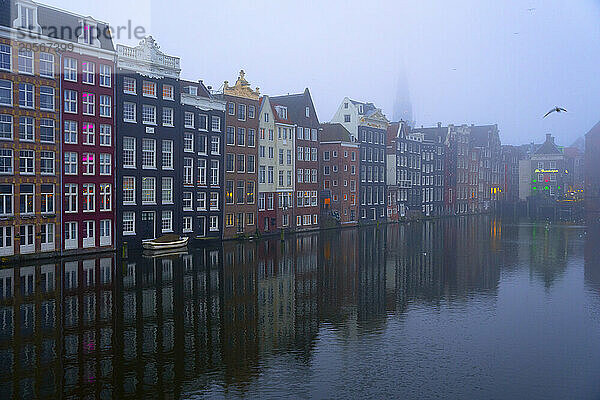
{"x":465,"y":61}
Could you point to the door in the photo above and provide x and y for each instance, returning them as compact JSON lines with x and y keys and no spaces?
{"x":148,"y":228}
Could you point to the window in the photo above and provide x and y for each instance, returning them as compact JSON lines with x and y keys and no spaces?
{"x":187,"y":201}
{"x":71,"y":198}
{"x":188,"y":165}
{"x":70,"y":132}
{"x":167,"y":117}
{"x":129,"y":112}
{"x":70,"y":163}
{"x":307,"y":112}
{"x":167,"y":190}
{"x":128,"y":223}
{"x":105,"y":228}
{"x":26,"y":198}
{"x":251,"y":137}
{"x":128,"y":190}
{"x":201,"y":198}
{"x":47,"y":130}
{"x":47,"y":162}
{"x":250,"y":164}
{"x":6,"y":199}
{"x":105,"y":164}
{"x":241,"y":163}
{"x":214,"y":223}
{"x":47,"y":198}
{"x":239,"y":195}
{"x":251,"y":111}
{"x":6,"y":161}
{"x":148,"y":89}
{"x":26,"y":95}
{"x":241,"y":112}
{"x":215,"y":144}
{"x":129,"y":85}
{"x":105,"y":75}
{"x":89,"y":197}
{"x":89,"y":134}
{"x":129,"y":152}
{"x":167,"y":221}
{"x":26,"y":125}
{"x":215,"y":124}
{"x":148,"y":190}
{"x":187,"y":224}
{"x":188,"y":120}
{"x":6,"y":93}
{"x":167,"y":92}
{"x":201,"y":171}
{"x":5,"y":57}
{"x":105,"y":106}
{"x":229,"y":192}
{"x":89,"y":232}
{"x":25,"y":61}
{"x":148,"y":153}
{"x":214,"y":172}
{"x":88,"y":72}
{"x":105,"y":135}
{"x":250,"y":192}
{"x":167,"y":154}
{"x":70,"y":69}
{"x":26,"y":162}
{"x":148,"y":114}
{"x":46,"y":98}
{"x":214,"y":201}
{"x":71,"y":101}
{"x":88,"y":101}
{"x":241,"y":137}
{"x":231,"y":135}
{"x":231,"y":108}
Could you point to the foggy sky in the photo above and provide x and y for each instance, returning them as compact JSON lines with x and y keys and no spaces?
{"x":466,"y":61}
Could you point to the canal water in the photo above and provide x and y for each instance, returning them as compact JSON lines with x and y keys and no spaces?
{"x":472,"y":307}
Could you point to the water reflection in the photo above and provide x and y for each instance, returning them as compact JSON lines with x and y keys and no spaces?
{"x":164,"y":327}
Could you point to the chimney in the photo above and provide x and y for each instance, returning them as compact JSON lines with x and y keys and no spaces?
{"x":549,"y":138}
{"x":439,"y":124}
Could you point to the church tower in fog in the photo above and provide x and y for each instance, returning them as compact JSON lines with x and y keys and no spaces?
{"x":402,"y":104}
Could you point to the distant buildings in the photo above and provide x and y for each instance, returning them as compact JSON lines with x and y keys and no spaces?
{"x":547,"y":170}
{"x":592,"y":172}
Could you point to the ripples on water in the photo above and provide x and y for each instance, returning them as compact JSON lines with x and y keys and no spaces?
{"x":458,"y":308}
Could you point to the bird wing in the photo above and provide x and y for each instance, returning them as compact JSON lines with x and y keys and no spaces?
{"x":561,"y":109}
{"x":549,"y":112}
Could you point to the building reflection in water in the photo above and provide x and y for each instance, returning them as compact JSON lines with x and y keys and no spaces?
{"x":145,"y":327}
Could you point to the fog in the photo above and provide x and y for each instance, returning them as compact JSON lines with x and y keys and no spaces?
{"x":504,"y":62}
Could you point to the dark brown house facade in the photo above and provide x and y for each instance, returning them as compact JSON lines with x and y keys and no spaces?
{"x":241,"y":116}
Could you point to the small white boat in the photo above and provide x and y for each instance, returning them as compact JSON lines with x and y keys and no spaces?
{"x":166,"y":242}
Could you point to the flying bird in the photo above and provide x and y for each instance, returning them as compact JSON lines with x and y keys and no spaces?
{"x":557,"y":109}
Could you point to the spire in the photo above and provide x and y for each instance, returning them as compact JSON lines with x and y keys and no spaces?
{"x":402,"y":104}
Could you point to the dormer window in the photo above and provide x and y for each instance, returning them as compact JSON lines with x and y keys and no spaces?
{"x":89,"y":33}
{"x":193,"y":90}
{"x":281,"y":112}
{"x":26,"y":17}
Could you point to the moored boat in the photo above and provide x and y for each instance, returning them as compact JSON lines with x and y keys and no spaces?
{"x":166,"y":242}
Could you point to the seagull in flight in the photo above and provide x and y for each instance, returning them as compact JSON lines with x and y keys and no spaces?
{"x":557,"y":109}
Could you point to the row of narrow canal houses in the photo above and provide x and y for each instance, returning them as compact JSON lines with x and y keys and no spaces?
{"x":104,"y":146}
